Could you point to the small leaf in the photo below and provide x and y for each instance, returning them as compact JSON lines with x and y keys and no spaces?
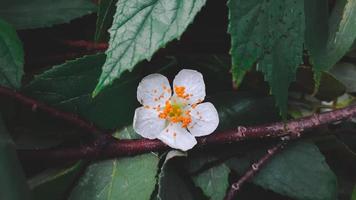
{"x":54,"y":183}
{"x":299,"y":171}
{"x":124,"y":178}
{"x":25,"y":14}
{"x":171,"y":186}
{"x":139,"y":29}
{"x":345,"y":73}
{"x":12,"y":182}
{"x":341,"y":35}
{"x":213,"y":181}
{"x":270,"y":35}
{"x":11,"y":57}
{"x":106,"y":13}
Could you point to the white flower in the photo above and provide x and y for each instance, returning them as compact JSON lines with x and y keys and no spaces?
{"x":175,"y":120}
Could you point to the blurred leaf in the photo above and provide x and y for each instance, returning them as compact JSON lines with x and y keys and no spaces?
{"x":353,"y":197}
{"x":68,"y":87}
{"x":24,"y":14}
{"x":123,"y":178}
{"x":11,"y":56}
{"x":55,"y":183}
{"x":269,"y":34}
{"x":330,"y":88}
{"x":213,"y":181}
{"x":345,"y":73}
{"x":243,"y":109}
{"x":139,"y":29}
{"x":106,"y":13}
{"x":12,"y":182}
{"x":299,"y":171}
{"x":341,"y":35}
{"x":171,"y":185}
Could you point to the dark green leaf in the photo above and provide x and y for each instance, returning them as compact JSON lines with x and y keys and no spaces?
{"x":24,"y":14}
{"x":106,"y":13}
{"x":124,"y":178}
{"x":54,"y":183}
{"x":242,"y":109}
{"x":299,"y":171}
{"x":68,"y":87}
{"x":12,"y":182}
{"x":213,"y":181}
{"x":11,"y":57}
{"x":345,"y":73}
{"x":341,"y":35}
{"x":171,"y":185}
{"x":269,"y":34}
{"x":141,"y":28}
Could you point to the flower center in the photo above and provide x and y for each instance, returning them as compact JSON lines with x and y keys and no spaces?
{"x":175,"y":113}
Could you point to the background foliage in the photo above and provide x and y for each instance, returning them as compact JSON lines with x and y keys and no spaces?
{"x":262,"y":61}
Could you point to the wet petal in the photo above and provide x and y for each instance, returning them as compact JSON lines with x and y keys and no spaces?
{"x":154,"y":90}
{"x":205,"y":119}
{"x":177,"y":137}
{"x":147,"y":123}
{"x":189,"y":85}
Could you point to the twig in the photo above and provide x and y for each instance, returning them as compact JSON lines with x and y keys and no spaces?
{"x":108,"y":146}
{"x":255,"y":168}
{"x":115,"y":148}
{"x":88,"y":45}
{"x":38,"y":106}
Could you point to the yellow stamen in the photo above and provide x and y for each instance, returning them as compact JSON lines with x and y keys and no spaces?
{"x":180,"y":92}
{"x":174,"y":114}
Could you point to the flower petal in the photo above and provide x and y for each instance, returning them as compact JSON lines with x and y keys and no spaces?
{"x":205,"y":119}
{"x":177,"y":137}
{"x":147,"y":123}
{"x":193,"y":84}
{"x":154,"y":90}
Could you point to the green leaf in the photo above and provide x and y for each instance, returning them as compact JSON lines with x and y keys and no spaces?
{"x":341,"y":35}
{"x":68,"y":87}
{"x":12,"y":182}
{"x":353,"y":197}
{"x":106,"y":13}
{"x":54,"y":183}
{"x":11,"y":57}
{"x":124,"y":178}
{"x":213,"y":181}
{"x":171,"y":185}
{"x":141,"y":28}
{"x":269,"y":34}
{"x":299,"y":171}
{"x":25,"y":14}
{"x":345,"y":73}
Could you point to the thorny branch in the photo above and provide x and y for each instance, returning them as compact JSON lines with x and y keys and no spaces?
{"x":107,"y":146}
{"x":249,"y":174}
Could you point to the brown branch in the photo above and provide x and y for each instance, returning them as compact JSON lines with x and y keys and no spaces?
{"x":255,"y":168}
{"x":38,"y":106}
{"x":107,"y":146}
{"x":88,"y":45}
